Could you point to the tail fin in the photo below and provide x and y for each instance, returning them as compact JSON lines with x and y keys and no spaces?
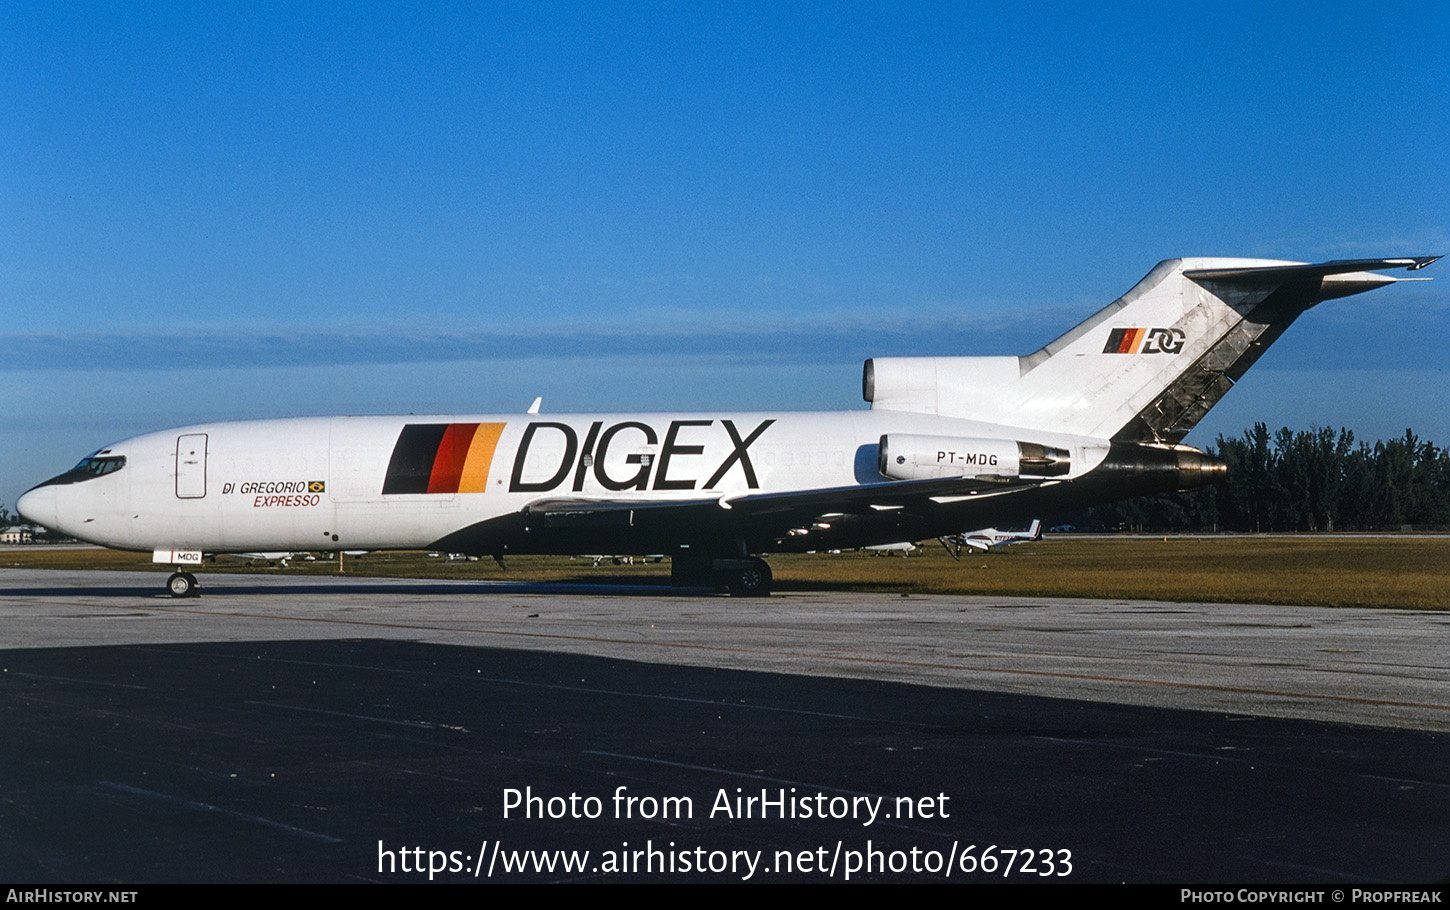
{"x":1034,"y":531}
{"x":1145,"y":368}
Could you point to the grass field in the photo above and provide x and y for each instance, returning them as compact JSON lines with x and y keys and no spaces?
{"x":1412,"y":573}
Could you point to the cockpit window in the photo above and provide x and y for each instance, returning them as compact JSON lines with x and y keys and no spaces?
{"x":97,"y":464}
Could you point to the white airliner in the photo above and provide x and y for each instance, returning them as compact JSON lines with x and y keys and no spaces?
{"x":948,"y":443}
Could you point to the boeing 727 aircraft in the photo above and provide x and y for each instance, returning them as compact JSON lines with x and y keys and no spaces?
{"x":948,"y":443}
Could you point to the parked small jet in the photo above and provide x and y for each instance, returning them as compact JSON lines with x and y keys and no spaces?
{"x":949,"y":442}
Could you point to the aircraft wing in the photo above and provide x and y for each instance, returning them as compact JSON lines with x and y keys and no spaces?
{"x":776,"y":514}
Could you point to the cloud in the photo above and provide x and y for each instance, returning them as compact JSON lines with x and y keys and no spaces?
{"x":1387,"y":331}
{"x":818,"y":339}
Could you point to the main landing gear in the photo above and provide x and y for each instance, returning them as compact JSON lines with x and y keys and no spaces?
{"x":182,"y":584}
{"x":742,"y":577}
{"x":750,"y":580}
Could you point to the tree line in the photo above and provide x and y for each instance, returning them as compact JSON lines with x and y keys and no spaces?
{"x":1310,"y":480}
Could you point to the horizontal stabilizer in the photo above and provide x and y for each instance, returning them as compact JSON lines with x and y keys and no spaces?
{"x":1279,"y":274}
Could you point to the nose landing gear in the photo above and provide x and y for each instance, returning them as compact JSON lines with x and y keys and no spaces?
{"x":182,"y":584}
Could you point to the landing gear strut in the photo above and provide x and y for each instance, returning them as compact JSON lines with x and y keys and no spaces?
{"x":182,"y":584}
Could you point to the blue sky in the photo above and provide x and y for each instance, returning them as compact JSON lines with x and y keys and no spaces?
{"x":212,"y":211}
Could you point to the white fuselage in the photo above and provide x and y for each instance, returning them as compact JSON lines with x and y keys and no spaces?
{"x":354,"y":483}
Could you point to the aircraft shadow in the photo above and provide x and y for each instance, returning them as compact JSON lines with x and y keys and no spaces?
{"x":349,"y":588}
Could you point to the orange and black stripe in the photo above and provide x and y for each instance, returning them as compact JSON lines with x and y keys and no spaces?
{"x":1124,"y":341}
{"x":442,"y":458}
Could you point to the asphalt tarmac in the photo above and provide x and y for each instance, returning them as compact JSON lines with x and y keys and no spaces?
{"x":310,"y":729}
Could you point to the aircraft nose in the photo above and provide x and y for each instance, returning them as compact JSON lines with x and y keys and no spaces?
{"x":38,"y":505}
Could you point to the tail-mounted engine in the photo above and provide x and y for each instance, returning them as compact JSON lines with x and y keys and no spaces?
{"x":910,"y":457}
